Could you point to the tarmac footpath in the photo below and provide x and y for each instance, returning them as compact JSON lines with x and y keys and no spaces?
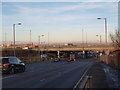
{"x":99,"y":78}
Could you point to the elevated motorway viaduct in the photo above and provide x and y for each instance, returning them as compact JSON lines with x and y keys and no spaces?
{"x":57,"y":51}
{"x":77,"y":49}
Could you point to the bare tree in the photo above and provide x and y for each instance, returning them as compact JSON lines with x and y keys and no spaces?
{"x":116,"y":39}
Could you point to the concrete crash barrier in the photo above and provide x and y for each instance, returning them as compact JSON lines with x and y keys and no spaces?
{"x":84,"y":83}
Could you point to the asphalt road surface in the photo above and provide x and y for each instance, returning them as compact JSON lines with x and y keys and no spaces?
{"x":48,"y":75}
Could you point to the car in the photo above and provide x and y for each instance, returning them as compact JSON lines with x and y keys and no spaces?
{"x":12,"y":65}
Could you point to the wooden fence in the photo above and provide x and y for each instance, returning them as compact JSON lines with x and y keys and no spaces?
{"x":112,"y":59}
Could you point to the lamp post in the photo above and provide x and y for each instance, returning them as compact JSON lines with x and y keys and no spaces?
{"x":86,"y":39}
{"x":14,"y":36}
{"x":5,"y":40}
{"x":100,"y":38}
{"x":83,"y":38}
{"x":83,"y":43}
{"x":39,"y":44}
{"x":30,"y":39}
{"x":105,"y":20}
{"x":48,"y":38}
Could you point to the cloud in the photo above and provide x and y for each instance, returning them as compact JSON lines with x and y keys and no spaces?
{"x":56,"y":14}
{"x":42,"y":19}
{"x":58,"y":10}
{"x":57,"y":17}
{"x":36,"y":16}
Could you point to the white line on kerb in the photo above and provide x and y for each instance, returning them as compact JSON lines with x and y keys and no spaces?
{"x":42,"y":80}
{"x":7,"y":77}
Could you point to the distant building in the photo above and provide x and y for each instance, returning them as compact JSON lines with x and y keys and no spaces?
{"x":69,"y":44}
{"x":25,"y":48}
{"x":36,"y":46}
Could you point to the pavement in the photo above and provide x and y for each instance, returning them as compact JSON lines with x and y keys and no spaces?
{"x":104,"y":76}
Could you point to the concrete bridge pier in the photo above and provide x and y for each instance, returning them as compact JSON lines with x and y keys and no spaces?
{"x":58,"y":54}
{"x":85,"y":54}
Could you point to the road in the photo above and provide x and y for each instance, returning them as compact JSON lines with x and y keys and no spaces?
{"x":48,"y":75}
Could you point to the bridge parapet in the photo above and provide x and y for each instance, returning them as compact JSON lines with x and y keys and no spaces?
{"x":77,"y":49}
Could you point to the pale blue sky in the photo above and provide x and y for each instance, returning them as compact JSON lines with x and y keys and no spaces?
{"x":60,"y":0}
{"x":63,"y":20}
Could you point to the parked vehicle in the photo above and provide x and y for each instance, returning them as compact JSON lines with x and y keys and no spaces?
{"x":12,"y":64}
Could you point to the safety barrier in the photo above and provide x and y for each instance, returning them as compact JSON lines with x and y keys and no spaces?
{"x":85,"y":82}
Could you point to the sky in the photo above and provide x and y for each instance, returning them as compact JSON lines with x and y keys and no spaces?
{"x":60,"y":0}
{"x":64,"y":21}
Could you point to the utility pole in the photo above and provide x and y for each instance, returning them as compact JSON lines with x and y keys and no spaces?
{"x":48,"y":38}
{"x":106,"y":31}
{"x":30,"y":46}
{"x":30,"y":39}
{"x":14,"y":36}
{"x":48,"y":45}
{"x":83,"y":43}
{"x":83,"y":38}
{"x":105,"y":22}
{"x":5,"y":39}
{"x":100,"y":39}
{"x":39,"y":46}
{"x":86,"y":39}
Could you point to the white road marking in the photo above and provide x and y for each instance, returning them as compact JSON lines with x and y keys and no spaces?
{"x":42,"y":80}
{"x":8,"y":77}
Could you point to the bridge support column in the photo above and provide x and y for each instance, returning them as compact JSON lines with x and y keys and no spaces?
{"x":58,"y":53}
{"x":83,"y":54}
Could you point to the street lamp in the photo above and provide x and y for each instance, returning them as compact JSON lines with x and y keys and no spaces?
{"x":30,"y":39}
{"x":105,"y":19}
{"x":83,"y":42}
{"x":14,"y":36}
{"x":86,"y":39}
{"x":39,"y":43}
{"x":100,"y":38}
